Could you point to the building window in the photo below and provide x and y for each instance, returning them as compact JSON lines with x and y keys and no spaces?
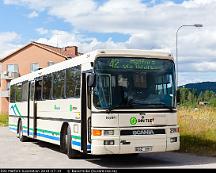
{"x":50,"y":63}
{"x":34,"y":67}
{"x":12,"y":68}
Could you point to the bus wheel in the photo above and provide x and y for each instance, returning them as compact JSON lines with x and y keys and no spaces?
{"x":20,"y":133}
{"x":70,"y":152}
{"x":68,"y":142}
{"x":63,"y":141}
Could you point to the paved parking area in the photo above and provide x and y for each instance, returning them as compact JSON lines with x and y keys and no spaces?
{"x":36,"y":154}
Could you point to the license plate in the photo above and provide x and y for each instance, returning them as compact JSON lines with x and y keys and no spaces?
{"x":143,"y":149}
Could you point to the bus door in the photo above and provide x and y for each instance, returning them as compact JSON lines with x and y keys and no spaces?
{"x":85,"y":115}
{"x":33,"y":110}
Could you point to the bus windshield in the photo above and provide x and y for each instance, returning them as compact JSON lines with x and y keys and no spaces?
{"x":134,"y":83}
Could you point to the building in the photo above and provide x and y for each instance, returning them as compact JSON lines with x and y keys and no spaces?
{"x":28,"y":59}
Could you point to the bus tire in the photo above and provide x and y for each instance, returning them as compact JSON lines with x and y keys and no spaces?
{"x":70,"y":152}
{"x":63,"y":140}
{"x":68,"y":143}
{"x":21,"y":137}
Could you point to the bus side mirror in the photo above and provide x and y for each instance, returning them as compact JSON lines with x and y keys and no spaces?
{"x":91,"y":80}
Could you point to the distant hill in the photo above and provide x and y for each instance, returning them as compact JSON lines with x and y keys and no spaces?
{"x":203,"y":86}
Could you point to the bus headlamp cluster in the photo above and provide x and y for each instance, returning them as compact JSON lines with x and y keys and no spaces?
{"x":109,"y":142}
{"x":174,"y":130}
{"x":108,"y":132}
{"x":96,"y":132}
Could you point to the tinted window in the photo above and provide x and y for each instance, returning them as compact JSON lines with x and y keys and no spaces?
{"x":18,"y":93}
{"x":12,"y":93}
{"x":25,"y":91}
{"x":38,"y":89}
{"x":73,"y":76}
{"x":32,"y":91}
{"x":47,"y":87}
{"x":58,"y":84}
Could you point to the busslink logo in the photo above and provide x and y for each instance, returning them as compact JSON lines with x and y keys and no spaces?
{"x":134,"y":120}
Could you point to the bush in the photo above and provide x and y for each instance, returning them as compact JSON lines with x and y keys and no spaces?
{"x":3,"y":120}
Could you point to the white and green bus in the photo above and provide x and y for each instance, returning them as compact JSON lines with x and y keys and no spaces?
{"x":102,"y":102}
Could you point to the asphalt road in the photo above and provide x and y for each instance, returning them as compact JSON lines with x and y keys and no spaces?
{"x":35,"y":154}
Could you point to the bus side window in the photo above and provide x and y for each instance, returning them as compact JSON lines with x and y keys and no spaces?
{"x":32,"y":91}
{"x":47,"y":87}
{"x":12,"y":94}
{"x":38,"y":89}
{"x":25,"y":86}
{"x":58,"y":84}
{"x":73,"y":77}
{"x":18,"y":93}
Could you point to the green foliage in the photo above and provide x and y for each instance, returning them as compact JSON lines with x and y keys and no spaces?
{"x":3,"y":120}
{"x":191,"y":98}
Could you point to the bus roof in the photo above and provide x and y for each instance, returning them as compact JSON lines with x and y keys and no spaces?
{"x":87,"y":58}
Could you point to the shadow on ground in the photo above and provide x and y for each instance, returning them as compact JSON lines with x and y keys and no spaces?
{"x":164,"y":159}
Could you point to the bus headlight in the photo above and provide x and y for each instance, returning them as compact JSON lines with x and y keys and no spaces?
{"x":174,"y":130}
{"x":108,"y":132}
{"x":109,"y":142}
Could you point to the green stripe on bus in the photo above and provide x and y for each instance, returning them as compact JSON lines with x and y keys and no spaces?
{"x":76,"y":137}
{"x":44,"y":131}
{"x":47,"y":131}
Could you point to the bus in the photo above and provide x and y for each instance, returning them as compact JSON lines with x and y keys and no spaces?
{"x":99,"y":103}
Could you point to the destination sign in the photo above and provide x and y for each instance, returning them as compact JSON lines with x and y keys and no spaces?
{"x":130,"y":63}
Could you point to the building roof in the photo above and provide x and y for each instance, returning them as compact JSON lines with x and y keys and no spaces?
{"x":67,"y":52}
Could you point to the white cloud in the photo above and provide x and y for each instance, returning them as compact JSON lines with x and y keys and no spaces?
{"x":8,"y":43}
{"x":33,"y":14}
{"x":42,"y":31}
{"x":149,"y":26}
{"x":63,"y":39}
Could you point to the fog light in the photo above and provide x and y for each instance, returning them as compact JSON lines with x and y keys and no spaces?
{"x":109,"y":142}
{"x":108,"y":132}
{"x":173,"y":139}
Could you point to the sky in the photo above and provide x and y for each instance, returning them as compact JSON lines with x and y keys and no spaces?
{"x":117,"y":24}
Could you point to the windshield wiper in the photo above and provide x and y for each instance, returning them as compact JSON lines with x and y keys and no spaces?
{"x":118,"y":106}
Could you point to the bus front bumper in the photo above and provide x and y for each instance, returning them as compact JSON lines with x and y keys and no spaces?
{"x":129,"y":144}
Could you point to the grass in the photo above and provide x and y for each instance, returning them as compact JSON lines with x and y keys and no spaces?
{"x":3,"y":120}
{"x":198,"y":130}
